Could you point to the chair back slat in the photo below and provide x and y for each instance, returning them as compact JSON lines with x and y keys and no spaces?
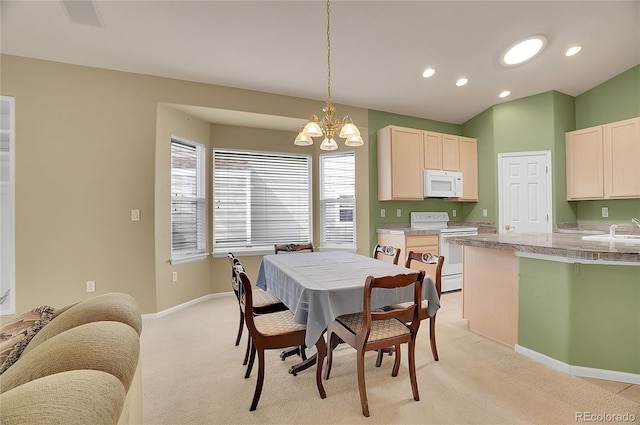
{"x":392,"y":282}
{"x":292,"y":247}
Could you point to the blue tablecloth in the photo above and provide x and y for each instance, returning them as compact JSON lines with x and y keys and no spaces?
{"x":320,"y":286}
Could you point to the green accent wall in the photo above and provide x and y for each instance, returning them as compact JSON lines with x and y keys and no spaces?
{"x":579,"y":315}
{"x":614,"y":100}
{"x":481,"y":127}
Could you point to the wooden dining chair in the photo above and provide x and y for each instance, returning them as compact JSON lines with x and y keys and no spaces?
{"x":263,"y":302}
{"x":389,"y":252}
{"x":293,"y":247}
{"x":375,"y":329}
{"x":272,"y":331}
{"x":431,"y":264}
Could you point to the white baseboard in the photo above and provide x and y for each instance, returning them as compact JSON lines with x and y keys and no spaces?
{"x":179,"y":307}
{"x":587,"y":372}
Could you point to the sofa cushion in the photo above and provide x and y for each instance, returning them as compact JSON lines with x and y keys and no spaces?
{"x":77,"y":397}
{"x":15,"y":336}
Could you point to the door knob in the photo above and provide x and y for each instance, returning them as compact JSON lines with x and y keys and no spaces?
{"x":508,"y":227}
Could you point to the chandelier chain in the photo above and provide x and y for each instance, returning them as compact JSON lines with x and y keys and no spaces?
{"x":328,"y":53}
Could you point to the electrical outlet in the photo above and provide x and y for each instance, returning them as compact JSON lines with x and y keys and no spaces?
{"x":135,"y":215}
{"x":454,"y":213}
{"x":174,"y":276}
{"x":605,"y":212}
{"x":398,"y":212}
{"x":484,"y":212}
{"x":382,"y":212}
{"x":91,"y":286}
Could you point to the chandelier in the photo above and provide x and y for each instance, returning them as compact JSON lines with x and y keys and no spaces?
{"x":329,"y":125}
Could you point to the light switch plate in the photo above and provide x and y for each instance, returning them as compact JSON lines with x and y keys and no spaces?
{"x":382,"y":212}
{"x":398,"y":212}
{"x":135,"y":215}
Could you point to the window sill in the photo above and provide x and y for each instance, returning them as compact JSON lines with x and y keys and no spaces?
{"x":188,"y":258}
{"x":243,"y":252}
{"x":338,"y":248}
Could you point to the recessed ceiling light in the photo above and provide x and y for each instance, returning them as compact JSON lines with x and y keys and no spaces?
{"x":573,"y":51}
{"x":504,"y":93}
{"x":523,"y":50}
{"x":428,"y":72}
{"x":461,"y":82}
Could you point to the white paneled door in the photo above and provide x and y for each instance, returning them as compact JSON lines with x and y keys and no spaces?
{"x":525,"y":192}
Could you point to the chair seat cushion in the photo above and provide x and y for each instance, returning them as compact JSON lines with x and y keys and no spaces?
{"x":263,"y":298}
{"x":277,"y":323}
{"x":380,"y":329}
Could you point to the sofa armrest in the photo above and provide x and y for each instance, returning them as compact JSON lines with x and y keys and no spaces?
{"x":111,"y":347}
{"x":76,"y":397}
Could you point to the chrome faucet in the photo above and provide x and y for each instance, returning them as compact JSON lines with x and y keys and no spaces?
{"x":635,"y":220}
{"x":612,"y":230}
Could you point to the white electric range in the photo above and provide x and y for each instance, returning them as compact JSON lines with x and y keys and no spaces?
{"x":452,"y":268}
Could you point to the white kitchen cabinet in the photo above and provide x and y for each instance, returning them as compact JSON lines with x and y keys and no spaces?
{"x":602,"y":161}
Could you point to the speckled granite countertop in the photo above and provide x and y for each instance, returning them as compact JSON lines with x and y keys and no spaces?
{"x":568,"y":245}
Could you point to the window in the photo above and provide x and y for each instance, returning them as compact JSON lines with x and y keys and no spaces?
{"x":7,"y":210}
{"x":260,"y":199}
{"x":187,"y":200}
{"x":337,"y":200}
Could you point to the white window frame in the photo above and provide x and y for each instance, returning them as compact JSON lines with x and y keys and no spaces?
{"x":330,"y":201}
{"x":7,"y":207}
{"x":243,"y":184}
{"x":179,"y":256}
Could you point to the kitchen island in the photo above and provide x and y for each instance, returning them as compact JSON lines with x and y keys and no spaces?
{"x":571,"y":304}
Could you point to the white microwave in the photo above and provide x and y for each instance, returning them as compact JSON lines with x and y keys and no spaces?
{"x":442,"y":184}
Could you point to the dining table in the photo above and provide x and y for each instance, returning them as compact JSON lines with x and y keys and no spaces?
{"x":320,"y":286}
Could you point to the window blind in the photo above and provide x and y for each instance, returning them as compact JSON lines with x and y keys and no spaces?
{"x":260,"y":199}
{"x":7,"y":206}
{"x":188,"y":211}
{"x":337,"y":200}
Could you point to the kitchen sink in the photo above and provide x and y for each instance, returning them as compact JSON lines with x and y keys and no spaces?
{"x":632,"y":239}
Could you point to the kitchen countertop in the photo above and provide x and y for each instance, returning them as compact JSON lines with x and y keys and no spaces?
{"x":567,"y":245}
{"x":407,"y":230}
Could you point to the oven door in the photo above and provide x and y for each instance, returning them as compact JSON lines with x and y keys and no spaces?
{"x":452,"y":256}
{"x":452,"y":267}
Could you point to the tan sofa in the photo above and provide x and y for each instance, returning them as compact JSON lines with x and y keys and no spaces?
{"x":80,"y":368}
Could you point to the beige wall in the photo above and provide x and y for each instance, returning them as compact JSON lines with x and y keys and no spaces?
{"x":90,"y":146}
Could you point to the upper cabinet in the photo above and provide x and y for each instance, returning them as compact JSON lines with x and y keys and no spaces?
{"x":403,"y":154}
{"x":441,"y":151}
{"x":469,"y":168}
{"x":602,"y":161}
{"x":400,"y":163}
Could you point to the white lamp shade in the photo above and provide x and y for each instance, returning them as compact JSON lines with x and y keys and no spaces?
{"x":312,"y":128}
{"x":348,"y":128}
{"x":328,"y":145}
{"x":354,"y":141}
{"x":303,"y":140}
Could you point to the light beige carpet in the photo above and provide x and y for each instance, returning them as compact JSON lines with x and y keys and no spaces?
{"x":192,"y":374}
